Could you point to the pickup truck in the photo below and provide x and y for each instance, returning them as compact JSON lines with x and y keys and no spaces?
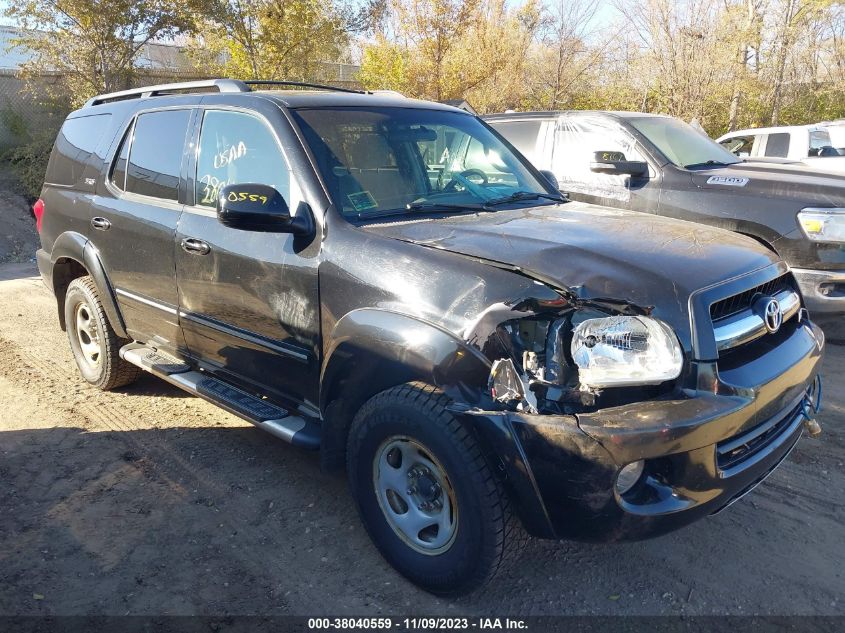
{"x":660,"y":165}
{"x":810,"y":144}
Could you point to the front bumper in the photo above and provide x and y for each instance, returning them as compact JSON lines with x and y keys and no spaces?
{"x":824,"y":293}
{"x":561,"y":470}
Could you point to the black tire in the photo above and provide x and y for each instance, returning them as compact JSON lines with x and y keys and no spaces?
{"x":487,"y":533}
{"x":110,"y":370}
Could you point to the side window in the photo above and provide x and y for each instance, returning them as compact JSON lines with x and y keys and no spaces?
{"x":237,"y":148}
{"x":522,"y":135}
{"x":777,"y":145}
{"x":155,"y":155}
{"x":576,"y":141}
{"x":489,"y":161}
{"x":76,"y":142}
{"x":739,"y":145}
{"x":819,"y":139}
{"x":118,"y":170}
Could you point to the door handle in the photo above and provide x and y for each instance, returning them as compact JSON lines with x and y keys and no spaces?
{"x":195,"y":247}
{"x":101,"y":224}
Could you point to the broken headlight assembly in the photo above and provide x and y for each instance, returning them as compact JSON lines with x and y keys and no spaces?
{"x":621,"y":351}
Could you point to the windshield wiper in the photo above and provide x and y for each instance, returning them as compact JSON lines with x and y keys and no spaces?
{"x":443,"y":206}
{"x":424,"y":207}
{"x":709,"y":163}
{"x":525,"y":195}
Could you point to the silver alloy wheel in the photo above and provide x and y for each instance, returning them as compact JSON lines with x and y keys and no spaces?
{"x":415,"y":495}
{"x":88,"y":335}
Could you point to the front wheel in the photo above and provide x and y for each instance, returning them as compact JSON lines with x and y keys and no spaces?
{"x":426,"y":494}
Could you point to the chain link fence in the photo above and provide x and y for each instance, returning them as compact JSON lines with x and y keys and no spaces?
{"x":23,"y":109}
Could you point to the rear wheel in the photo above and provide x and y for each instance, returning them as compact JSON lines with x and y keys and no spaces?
{"x":426,"y":494}
{"x":94,"y":343}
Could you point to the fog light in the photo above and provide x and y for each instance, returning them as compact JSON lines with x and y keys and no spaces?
{"x":629,"y":476}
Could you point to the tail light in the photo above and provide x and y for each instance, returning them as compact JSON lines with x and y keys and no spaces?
{"x":38,"y":211}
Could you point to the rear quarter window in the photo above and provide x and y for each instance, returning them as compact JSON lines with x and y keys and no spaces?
{"x":77,"y":140}
{"x":521,"y":134}
{"x":155,"y":155}
{"x":777,"y":145}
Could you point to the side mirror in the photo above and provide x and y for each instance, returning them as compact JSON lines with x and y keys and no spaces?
{"x":550,"y":176}
{"x":254,"y":207}
{"x":615,"y":163}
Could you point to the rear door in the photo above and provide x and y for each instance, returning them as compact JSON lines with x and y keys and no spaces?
{"x":249,"y":304}
{"x":135,"y":219}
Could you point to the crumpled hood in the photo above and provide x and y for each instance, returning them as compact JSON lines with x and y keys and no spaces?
{"x":597,"y":252}
{"x":775,"y":179}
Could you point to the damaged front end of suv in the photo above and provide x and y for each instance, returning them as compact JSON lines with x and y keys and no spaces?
{"x":608,"y":429}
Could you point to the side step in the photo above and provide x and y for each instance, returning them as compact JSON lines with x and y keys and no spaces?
{"x":297,"y":430}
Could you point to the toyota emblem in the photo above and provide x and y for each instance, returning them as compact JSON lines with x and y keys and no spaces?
{"x":773,"y":316}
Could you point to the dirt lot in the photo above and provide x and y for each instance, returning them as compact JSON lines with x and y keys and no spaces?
{"x":146,"y":501}
{"x":18,"y":238}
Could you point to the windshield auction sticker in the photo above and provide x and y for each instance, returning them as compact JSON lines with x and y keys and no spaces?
{"x":728,"y":181}
{"x":362,"y":200}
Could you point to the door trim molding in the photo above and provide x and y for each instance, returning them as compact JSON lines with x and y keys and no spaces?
{"x":149,"y":302}
{"x":273,"y":345}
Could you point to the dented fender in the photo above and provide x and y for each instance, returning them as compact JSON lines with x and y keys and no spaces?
{"x":395,"y":341}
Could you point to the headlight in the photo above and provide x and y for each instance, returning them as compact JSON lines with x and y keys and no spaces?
{"x":823,"y":225}
{"x":623,"y":350}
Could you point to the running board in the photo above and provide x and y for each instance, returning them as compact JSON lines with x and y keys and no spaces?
{"x":265,"y":415}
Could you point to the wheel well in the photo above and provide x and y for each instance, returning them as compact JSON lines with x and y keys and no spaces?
{"x":359,"y":377}
{"x":65,"y":270}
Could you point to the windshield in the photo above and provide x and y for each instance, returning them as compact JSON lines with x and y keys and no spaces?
{"x":681,"y":144}
{"x":378,"y":161}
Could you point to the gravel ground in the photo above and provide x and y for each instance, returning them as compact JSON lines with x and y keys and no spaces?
{"x":147,"y":501}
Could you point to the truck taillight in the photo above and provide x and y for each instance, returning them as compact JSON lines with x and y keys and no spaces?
{"x":38,"y":211}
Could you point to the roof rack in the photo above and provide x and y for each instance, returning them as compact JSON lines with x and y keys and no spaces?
{"x":222,"y":85}
{"x":301,"y":84}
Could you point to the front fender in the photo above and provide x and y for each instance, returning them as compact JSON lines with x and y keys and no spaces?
{"x":372,"y":349}
{"x":381,"y":338}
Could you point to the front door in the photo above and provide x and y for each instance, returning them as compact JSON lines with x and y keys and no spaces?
{"x":577,"y":139}
{"x":248,"y":301}
{"x":134,"y":220}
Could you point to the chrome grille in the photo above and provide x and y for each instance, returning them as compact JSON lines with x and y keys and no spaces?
{"x":735,"y":320}
{"x":746,"y":326}
{"x":742,"y":301}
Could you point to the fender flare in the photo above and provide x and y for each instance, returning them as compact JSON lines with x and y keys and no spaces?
{"x":75,"y":247}
{"x":760,"y":240}
{"x":372,"y":349}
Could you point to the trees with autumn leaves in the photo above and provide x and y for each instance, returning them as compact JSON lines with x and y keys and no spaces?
{"x":725,"y":63}
{"x":92,"y":46}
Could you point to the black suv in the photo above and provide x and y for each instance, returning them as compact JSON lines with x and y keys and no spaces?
{"x":658,"y":164}
{"x":481,"y":355}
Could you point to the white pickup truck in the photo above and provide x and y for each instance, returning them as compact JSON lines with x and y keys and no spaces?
{"x":809,"y":144}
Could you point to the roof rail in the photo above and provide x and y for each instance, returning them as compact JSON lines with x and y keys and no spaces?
{"x":222,"y":85}
{"x":300,"y":84}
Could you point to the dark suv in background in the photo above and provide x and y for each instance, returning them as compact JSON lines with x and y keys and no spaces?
{"x":482,"y":356}
{"x":658,"y":164}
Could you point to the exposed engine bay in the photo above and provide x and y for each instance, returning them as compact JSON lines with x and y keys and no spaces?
{"x":541,"y":361}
